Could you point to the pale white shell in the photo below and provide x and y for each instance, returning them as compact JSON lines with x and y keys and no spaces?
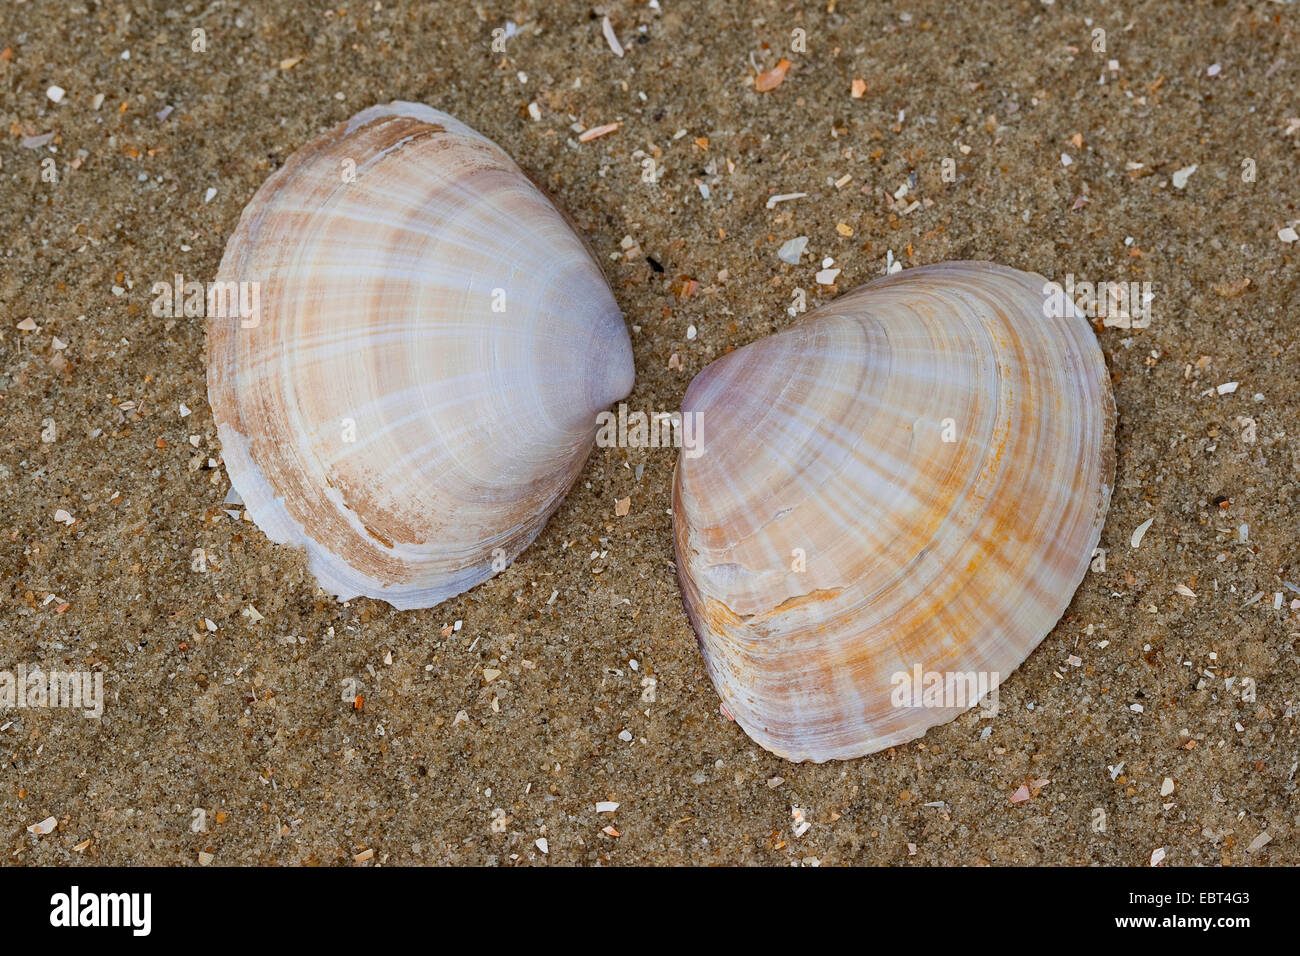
{"x":824,"y":449}
{"x":420,"y":386}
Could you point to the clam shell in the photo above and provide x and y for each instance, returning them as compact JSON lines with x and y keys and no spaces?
{"x":419,"y":386}
{"x":826,"y":441}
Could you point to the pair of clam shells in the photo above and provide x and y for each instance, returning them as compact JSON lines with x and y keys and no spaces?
{"x":913,"y":476}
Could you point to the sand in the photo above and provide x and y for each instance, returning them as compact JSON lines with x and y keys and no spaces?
{"x":244,"y":744}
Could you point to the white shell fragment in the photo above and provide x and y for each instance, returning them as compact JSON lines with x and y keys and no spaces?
{"x":909,"y":482}
{"x":418,"y":383}
{"x":611,"y":37}
{"x":1181,"y":176}
{"x":1135,"y":540}
{"x":792,"y":250}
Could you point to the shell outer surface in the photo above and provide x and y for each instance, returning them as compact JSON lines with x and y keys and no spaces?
{"x":417,"y":386}
{"x":909,"y":482}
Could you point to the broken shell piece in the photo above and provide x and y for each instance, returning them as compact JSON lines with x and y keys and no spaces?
{"x":45,"y":826}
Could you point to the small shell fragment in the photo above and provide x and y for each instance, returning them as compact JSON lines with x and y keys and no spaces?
{"x":783,"y":197}
{"x":769,"y":80}
{"x":791,"y":250}
{"x":45,"y":826}
{"x":1139,"y":531}
{"x":799,"y":819}
{"x":597,"y":131}
{"x":611,"y":38}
